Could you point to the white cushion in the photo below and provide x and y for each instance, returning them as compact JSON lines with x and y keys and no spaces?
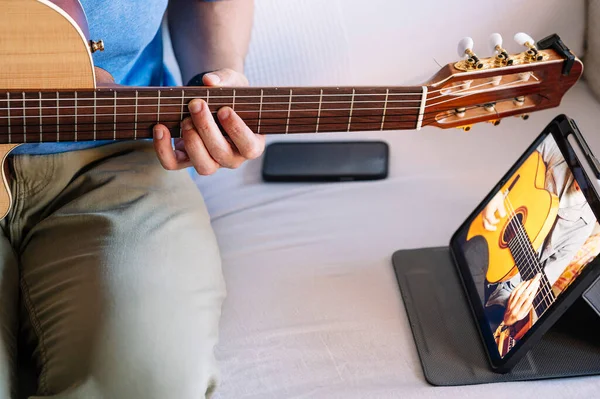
{"x":592,"y":59}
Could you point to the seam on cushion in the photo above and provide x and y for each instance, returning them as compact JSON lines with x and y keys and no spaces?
{"x":37,"y":329}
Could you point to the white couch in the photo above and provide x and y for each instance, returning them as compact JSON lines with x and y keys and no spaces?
{"x":313,"y":308}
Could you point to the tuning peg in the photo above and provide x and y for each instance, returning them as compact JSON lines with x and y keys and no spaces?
{"x":495,"y":122}
{"x":466,"y":128}
{"x":519,"y":101}
{"x":495,"y":43}
{"x":525,"y":40}
{"x":490,"y":107}
{"x":465,"y":48}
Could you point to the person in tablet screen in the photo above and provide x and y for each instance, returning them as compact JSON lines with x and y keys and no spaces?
{"x":565,"y":239}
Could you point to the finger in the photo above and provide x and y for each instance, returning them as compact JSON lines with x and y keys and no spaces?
{"x":501,"y":209}
{"x":527,"y":296}
{"x":248,"y":144}
{"x":169,"y":158}
{"x":225,"y":77}
{"x":517,"y":292}
{"x":218,"y":147}
{"x":488,"y":226}
{"x":203,"y":163}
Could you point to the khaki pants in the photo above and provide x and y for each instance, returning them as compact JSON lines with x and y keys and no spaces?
{"x":111,"y":276}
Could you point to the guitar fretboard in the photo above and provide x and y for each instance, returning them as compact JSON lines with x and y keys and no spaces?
{"x":129,"y":113}
{"x":529,"y":266}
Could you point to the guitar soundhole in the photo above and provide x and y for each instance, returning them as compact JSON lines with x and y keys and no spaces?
{"x":513,"y":227}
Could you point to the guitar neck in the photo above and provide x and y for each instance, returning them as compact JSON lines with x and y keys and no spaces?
{"x":529,"y":266}
{"x":128,"y":113}
{"x":544,"y":297}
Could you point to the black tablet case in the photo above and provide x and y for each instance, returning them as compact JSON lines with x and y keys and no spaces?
{"x":447,"y":339}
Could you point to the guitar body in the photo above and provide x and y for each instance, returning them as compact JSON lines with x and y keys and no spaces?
{"x":533,"y":203}
{"x":42,"y":46}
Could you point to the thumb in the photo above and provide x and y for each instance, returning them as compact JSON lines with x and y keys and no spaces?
{"x":224,"y":77}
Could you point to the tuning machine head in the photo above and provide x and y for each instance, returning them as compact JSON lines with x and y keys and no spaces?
{"x":502,"y":58}
{"x":525,"y":40}
{"x":465,"y":49}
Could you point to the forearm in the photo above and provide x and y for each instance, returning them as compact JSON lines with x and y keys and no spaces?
{"x":210,"y":35}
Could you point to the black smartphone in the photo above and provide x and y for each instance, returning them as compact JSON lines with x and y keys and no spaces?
{"x":320,"y":161}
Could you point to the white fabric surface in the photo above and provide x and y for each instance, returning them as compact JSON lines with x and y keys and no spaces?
{"x":313,"y":308}
{"x":592,"y":60}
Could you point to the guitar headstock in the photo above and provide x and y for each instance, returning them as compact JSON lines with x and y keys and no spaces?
{"x":476,"y":89}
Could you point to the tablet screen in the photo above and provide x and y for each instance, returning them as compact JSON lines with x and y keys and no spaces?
{"x":531,"y":241}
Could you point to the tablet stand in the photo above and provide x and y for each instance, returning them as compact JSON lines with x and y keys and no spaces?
{"x":447,"y":339}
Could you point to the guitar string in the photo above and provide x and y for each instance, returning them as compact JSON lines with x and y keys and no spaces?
{"x":546,"y":299}
{"x":513,"y":224}
{"x":431,"y":118}
{"x":173,"y":90}
{"x":425,"y":113}
{"x":428,"y":121}
{"x":410,"y":118}
{"x":23,"y":117}
{"x":535,"y":265}
{"x":522,"y":240}
{"x":112,"y":100}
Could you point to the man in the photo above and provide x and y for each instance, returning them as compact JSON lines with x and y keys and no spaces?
{"x":574,"y":224}
{"x":112,"y":256}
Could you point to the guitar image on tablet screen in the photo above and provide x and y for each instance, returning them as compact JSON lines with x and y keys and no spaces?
{"x":537,"y":228}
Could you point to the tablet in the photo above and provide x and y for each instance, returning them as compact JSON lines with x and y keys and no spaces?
{"x":530,"y":248}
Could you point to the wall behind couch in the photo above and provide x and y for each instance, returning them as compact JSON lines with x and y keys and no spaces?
{"x":335,"y":42}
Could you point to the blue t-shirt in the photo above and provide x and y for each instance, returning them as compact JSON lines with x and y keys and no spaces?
{"x":132,"y":35}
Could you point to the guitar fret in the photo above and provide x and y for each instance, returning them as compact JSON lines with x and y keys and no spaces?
{"x":387,"y":93}
{"x":422,"y":108}
{"x":24,"y":120}
{"x":40,"y":111}
{"x":75,"y":116}
{"x":260,"y":110}
{"x":351,"y":108}
{"x":233,"y":105}
{"x":319,"y":112}
{"x":287,"y":123}
{"x":207,"y":96}
{"x":158,"y":109}
{"x":57,"y":116}
{"x":181,"y":112}
{"x":115,"y":116}
{"x":8,"y":108}
{"x":135,"y":123}
{"x":95,"y":98}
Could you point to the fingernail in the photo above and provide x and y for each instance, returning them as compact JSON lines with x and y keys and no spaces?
{"x":195,"y":106}
{"x":224,"y":113}
{"x":186,"y":124}
{"x":213,"y":78}
{"x":158,"y":133}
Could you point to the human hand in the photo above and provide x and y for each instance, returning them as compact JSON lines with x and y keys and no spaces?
{"x":202,"y":145}
{"x":489,"y":212}
{"x":520,"y":301}
{"x":103,"y":77}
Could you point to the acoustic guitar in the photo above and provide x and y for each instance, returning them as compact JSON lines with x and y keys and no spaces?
{"x":531,"y":211}
{"x":48,"y":90}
